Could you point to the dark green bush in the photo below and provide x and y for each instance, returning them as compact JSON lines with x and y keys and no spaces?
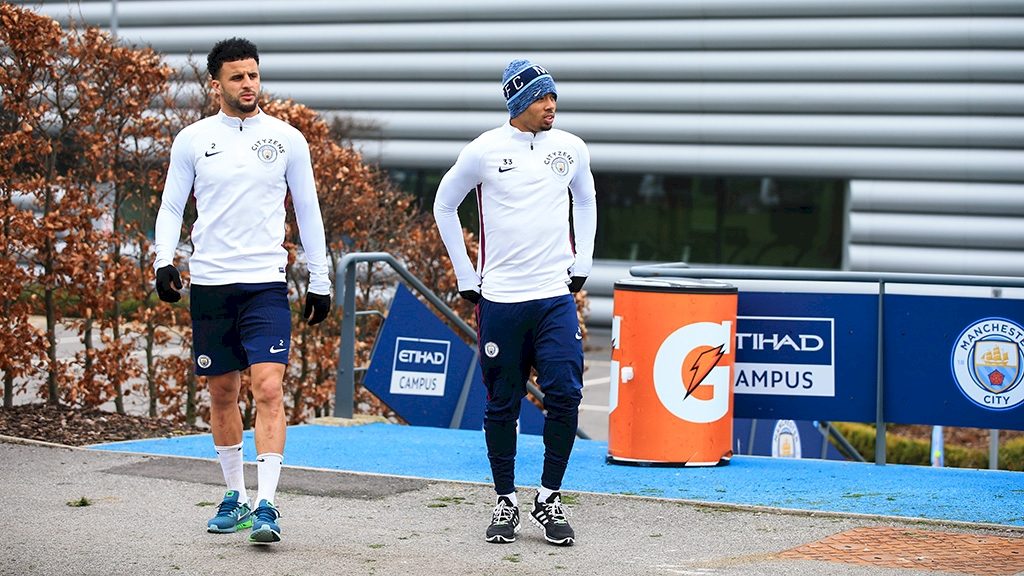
{"x":903,"y":450}
{"x":1011,"y":455}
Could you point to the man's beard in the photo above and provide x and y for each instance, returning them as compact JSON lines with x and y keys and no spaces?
{"x":236,"y":103}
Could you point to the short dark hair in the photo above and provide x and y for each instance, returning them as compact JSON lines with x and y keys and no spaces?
{"x":230,"y":50}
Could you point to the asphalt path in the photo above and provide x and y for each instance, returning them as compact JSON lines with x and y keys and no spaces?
{"x":146,"y":515}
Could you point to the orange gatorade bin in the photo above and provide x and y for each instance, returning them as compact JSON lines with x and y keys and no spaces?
{"x":671,"y":399}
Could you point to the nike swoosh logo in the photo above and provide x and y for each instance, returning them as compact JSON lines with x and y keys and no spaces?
{"x":579,"y":335}
{"x":276,"y":350}
{"x":208,"y":154}
{"x":506,"y":169}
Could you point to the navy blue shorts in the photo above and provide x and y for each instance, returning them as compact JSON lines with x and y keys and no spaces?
{"x":544,"y":334}
{"x":237,"y":325}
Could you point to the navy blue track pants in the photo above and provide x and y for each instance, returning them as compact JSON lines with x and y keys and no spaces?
{"x":513,"y":338}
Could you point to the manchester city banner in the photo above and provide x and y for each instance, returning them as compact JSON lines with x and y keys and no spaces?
{"x":954,"y":361}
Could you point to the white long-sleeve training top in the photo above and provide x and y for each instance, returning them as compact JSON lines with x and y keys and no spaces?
{"x":240,"y":171}
{"x":523,"y":183}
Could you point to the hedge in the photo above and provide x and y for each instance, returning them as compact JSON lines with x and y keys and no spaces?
{"x":903,"y":450}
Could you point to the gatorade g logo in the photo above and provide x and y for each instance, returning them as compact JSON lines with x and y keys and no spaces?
{"x":688,"y":359}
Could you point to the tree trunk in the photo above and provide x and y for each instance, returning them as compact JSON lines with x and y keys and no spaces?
{"x":116,"y":328}
{"x":8,"y":377}
{"x":151,"y":369}
{"x":49,"y":249}
{"x":8,"y":390}
{"x":90,"y":351}
{"x":190,"y":399}
{"x":52,"y":392}
{"x":118,"y":388}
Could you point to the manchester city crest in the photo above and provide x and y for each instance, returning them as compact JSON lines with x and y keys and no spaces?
{"x":986,"y":363}
{"x":786,"y":440}
{"x":267,"y":153}
{"x":559,"y":162}
{"x":560,"y":166}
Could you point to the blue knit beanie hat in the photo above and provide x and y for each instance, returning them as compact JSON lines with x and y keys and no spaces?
{"x":523,"y":83}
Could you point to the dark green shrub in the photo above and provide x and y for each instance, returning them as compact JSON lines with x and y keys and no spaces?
{"x":903,"y":450}
{"x":1011,"y":455}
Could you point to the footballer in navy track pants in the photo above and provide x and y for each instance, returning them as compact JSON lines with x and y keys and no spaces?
{"x":513,"y":338}
{"x":538,"y":219}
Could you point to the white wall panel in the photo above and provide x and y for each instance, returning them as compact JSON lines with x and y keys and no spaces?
{"x":830,"y":161}
{"x":725,"y":128}
{"x":990,"y":262}
{"x":937,"y":197}
{"x":940,"y":227}
{"x":230,"y":12}
{"x":937,"y":230}
{"x":920,"y":103}
{"x":683,"y":97}
{"x":771,"y":66}
{"x":606,"y":35}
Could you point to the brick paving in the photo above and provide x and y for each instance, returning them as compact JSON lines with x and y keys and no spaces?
{"x":918,"y":549}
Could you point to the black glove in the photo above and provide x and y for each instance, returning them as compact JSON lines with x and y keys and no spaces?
{"x":471,"y":295}
{"x":317,"y":307}
{"x":168,"y":282}
{"x":576,"y":283}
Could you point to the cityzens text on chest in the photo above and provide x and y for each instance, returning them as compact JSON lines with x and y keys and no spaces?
{"x":268,"y":141}
{"x":559,"y":154}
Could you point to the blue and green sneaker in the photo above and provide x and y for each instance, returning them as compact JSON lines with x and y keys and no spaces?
{"x":264,"y":528}
{"x":232,"y":515}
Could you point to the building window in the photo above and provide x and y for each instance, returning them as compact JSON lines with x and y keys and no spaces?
{"x":720,"y":220}
{"x":786,"y":222}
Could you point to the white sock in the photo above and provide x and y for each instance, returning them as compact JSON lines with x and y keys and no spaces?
{"x":230,"y":458}
{"x":512,"y":497}
{"x":544,"y":493}
{"x":268,"y":467}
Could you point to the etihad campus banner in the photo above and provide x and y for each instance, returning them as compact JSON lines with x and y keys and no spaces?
{"x":954,"y":361}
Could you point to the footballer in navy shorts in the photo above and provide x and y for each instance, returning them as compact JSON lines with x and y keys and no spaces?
{"x":240,"y":165}
{"x":237,"y":325}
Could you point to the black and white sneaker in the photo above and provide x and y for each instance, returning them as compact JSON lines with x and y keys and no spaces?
{"x":504,"y":522}
{"x":550,"y":515}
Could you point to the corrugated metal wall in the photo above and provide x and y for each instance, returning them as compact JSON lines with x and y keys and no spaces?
{"x":893,"y":94}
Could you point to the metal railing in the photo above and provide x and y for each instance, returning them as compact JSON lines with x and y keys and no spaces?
{"x":344,"y":393}
{"x":682,"y":269}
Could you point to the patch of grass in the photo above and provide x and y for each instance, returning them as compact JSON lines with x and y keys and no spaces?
{"x":80,"y":503}
{"x":861,"y":494}
{"x":654,"y":535}
{"x":514,"y":558}
{"x":376,"y":546}
{"x":444,"y":501}
{"x":570,"y":499}
{"x":205,"y":503}
{"x":711,"y":508}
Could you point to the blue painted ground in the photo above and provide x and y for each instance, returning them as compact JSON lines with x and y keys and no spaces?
{"x":963,"y":495}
